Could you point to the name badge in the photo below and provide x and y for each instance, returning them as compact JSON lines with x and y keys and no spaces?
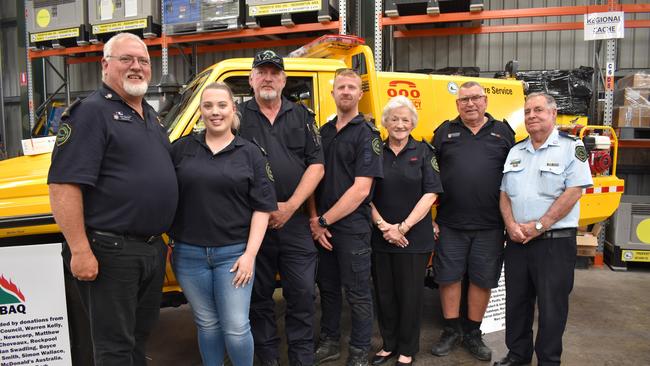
{"x":119,"y":116}
{"x":453,"y":135}
{"x":552,"y":164}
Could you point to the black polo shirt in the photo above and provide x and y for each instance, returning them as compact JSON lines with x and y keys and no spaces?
{"x":354,"y":151}
{"x":219,"y":192}
{"x":291,"y":142}
{"x":122,"y":163}
{"x":407,"y":177}
{"x":471,"y":169}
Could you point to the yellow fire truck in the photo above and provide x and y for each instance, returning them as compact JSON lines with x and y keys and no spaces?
{"x":25,"y":214}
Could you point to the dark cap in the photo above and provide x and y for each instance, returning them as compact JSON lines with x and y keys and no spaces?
{"x":268,"y":57}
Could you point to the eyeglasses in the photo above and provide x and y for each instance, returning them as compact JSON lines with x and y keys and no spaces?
{"x":128,"y":60}
{"x":474,"y":98}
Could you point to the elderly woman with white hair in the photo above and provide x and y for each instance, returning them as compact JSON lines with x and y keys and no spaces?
{"x":403,"y":237}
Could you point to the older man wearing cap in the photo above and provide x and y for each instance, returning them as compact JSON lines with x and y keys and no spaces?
{"x":287,"y":133}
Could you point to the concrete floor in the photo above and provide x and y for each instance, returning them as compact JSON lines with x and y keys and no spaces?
{"x":609,"y":325}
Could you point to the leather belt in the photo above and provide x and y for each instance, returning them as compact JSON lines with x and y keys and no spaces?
{"x":129,"y":237}
{"x":557,"y":233}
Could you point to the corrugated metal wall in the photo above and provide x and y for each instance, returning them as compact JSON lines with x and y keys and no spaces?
{"x":533,"y":50}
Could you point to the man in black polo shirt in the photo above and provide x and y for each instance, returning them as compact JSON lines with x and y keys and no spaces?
{"x":471,"y":150}
{"x":113,"y":192}
{"x":287,"y":133}
{"x":342,"y":224}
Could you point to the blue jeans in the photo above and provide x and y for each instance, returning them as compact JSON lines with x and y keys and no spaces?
{"x":220,"y":310}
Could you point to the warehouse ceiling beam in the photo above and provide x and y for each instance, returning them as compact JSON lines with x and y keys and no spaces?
{"x":511,"y":13}
{"x":508,"y":28}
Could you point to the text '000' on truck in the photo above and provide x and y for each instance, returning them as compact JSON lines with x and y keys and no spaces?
{"x":26,"y":217}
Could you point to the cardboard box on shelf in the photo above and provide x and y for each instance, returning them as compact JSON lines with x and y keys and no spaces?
{"x":588,"y":240}
{"x":637,"y":80}
{"x":632,"y":96}
{"x":632,"y":116}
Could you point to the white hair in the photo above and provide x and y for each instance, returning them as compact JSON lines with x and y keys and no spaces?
{"x":108,"y":46}
{"x":550,"y":101}
{"x":399,"y":102}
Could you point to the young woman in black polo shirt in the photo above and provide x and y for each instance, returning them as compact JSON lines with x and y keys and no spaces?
{"x":225,"y":196}
{"x":403,"y":236}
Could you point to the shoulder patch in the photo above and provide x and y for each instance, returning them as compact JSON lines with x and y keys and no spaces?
{"x":581,"y":153}
{"x":64,"y":133}
{"x":376,"y":145}
{"x":434,"y":163}
{"x":269,"y":172}
{"x":68,"y":109}
{"x":569,"y":136}
{"x":254,"y":141}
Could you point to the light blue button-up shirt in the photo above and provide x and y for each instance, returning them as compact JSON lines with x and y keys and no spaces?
{"x":534,"y":179}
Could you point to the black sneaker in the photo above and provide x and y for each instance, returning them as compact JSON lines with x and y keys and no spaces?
{"x":357,"y":357}
{"x":449,"y":339}
{"x":473,"y":342}
{"x":327,"y":350}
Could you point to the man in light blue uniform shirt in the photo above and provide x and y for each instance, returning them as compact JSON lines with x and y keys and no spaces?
{"x":543,"y":180}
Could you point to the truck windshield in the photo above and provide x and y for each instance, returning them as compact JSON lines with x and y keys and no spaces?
{"x":179,"y":102}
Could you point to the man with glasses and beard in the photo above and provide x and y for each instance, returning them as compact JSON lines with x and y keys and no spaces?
{"x":287,"y":134}
{"x":470,"y":150}
{"x":113,"y":193}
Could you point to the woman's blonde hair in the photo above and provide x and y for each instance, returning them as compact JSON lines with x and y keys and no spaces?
{"x":223,"y":86}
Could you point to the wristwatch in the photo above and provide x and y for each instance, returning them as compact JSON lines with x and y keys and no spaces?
{"x":539,"y":227}
{"x":322,"y":222}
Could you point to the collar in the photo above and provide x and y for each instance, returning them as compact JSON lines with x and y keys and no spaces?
{"x":490,"y":120}
{"x":552,"y":140}
{"x":410,"y":144}
{"x":354,"y":121}
{"x":108,"y":93}
{"x":200,"y":139}
{"x":286,"y":105}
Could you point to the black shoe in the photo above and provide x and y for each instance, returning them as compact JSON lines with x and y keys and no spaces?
{"x":511,"y":361}
{"x":357,"y":357}
{"x":473,"y":342}
{"x":448,"y":340}
{"x":269,"y":363}
{"x":380,"y":360}
{"x":327,"y":350}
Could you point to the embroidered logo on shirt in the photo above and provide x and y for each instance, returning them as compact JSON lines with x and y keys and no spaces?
{"x":376,"y":145}
{"x":581,"y":153}
{"x":515,"y":162}
{"x":434,"y":164}
{"x":64,"y":134}
{"x":452,"y":135}
{"x":269,"y":172}
{"x":552,"y":164}
{"x":495,"y":134}
{"x":119,"y":116}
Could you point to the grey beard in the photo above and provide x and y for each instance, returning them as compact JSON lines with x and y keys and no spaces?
{"x":135,"y":90}
{"x":269,"y":95}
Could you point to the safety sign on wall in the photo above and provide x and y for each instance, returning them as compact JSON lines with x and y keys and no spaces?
{"x":33,"y":317}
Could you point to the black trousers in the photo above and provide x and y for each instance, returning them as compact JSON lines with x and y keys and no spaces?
{"x":398,"y":280}
{"x":541,"y":271}
{"x":123,"y":302}
{"x":348,"y":265}
{"x":290,"y":252}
